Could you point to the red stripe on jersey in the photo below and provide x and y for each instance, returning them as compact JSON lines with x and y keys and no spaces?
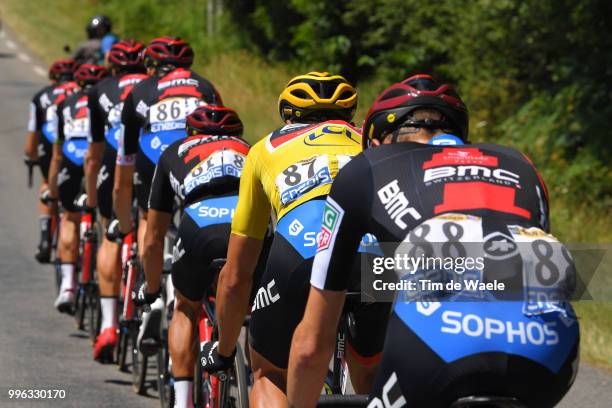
{"x":204,"y":150}
{"x":480,"y":195}
{"x":458,"y":156}
{"x":181,"y":91}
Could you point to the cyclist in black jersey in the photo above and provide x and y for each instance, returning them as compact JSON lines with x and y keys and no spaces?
{"x":39,"y":140}
{"x":153,"y":117}
{"x":202,"y":172}
{"x":410,"y":193}
{"x":105,"y":101}
{"x":66,"y":173}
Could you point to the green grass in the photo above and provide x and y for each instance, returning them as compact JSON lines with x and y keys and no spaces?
{"x":251,"y":85}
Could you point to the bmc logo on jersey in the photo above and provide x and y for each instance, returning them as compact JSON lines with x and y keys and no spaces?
{"x":396,"y":204}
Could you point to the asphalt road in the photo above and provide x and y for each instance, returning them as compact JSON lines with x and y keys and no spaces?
{"x":41,"y":349}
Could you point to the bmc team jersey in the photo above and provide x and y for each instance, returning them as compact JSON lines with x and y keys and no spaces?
{"x":195,"y":168}
{"x":106,"y":100}
{"x":413,"y":195}
{"x":43,"y":108}
{"x":154,"y":113}
{"x":289,"y":167}
{"x":73,"y":130}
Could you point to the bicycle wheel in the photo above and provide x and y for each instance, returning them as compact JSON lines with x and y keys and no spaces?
{"x":234,"y":391}
{"x":139,"y":365}
{"x":122,"y":348}
{"x":165,"y":383}
{"x":94,"y":312}
{"x":80,"y":306}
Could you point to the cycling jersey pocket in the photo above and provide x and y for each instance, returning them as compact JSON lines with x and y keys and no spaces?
{"x":49,"y":131}
{"x":154,"y":144}
{"x":112,"y":136}
{"x":75,"y":149}
{"x":213,"y":211}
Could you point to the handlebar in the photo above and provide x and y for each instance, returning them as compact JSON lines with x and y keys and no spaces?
{"x":30,"y":164}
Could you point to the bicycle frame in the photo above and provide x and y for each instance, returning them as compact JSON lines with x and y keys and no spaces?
{"x":129,"y":262}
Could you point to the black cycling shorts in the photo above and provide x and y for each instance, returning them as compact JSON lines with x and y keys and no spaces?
{"x":45,"y":151}
{"x":69,"y":183}
{"x":195,"y":248}
{"x":412,"y":370}
{"x":105,"y":182}
{"x":280,"y":301}
{"x":145,"y":169}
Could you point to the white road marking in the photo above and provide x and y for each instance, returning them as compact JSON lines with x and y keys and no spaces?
{"x":40,"y":71}
{"x":24,"y":57}
{"x":11,"y":44}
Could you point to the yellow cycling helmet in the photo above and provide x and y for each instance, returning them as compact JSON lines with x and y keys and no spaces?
{"x":318,"y":95}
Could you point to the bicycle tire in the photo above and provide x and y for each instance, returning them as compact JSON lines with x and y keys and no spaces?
{"x":238,"y":390}
{"x":139,"y":366}
{"x":95,"y":312}
{"x":165,"y":387}
{"x":122,"y":348}
{"x":80,"y":299}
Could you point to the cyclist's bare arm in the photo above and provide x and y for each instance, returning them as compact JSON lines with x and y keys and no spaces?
{"x":31,"y":145}
{"x":56,"y":162}
{"x":153,"y":257}
{"x":122,"y":196}
{"x":93,"y":162}
{"x":234,"y":288}
{"x":312,"y":347}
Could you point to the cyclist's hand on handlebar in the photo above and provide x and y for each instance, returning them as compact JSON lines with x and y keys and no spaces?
{"x":143,"y":297}
{"x":81,"y":204}
{"x":45,"y":197}
{"x":113,"y":233}
{"x":213,"y":362}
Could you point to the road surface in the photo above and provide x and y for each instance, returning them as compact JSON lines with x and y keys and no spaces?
{"x":41,"y":349}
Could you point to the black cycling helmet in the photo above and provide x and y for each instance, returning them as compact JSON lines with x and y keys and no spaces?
{"x":98,"y":26}
{"x":62,"y":70}
{"x":168,"y":51}
{"x":394,"y":104}
{"x":89,"y":74}
{"x":214,"y":120}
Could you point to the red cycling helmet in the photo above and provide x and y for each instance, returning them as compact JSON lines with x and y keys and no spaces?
{"x":213,"y":120}
{"x":168,"y":51}
{"x":126,"y":54}
{"x":89,"y":74}
{"x":394,"y":104}
{"x":62,"y":69}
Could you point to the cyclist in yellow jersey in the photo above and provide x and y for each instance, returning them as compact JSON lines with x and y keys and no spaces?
{"x":289,"y":171}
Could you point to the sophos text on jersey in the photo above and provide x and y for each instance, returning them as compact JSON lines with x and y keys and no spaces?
{"x":403,"y":262}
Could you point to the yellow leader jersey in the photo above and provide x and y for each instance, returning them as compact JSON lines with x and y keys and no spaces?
{"x":288,"y":167}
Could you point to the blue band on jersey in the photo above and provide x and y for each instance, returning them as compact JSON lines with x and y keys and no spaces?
{"x":459,"y":329}
{"x":154,"y":144}
{"x":213,"y":211}
{"x":48,"y":131}
{"x":75,"y":149}
{"x":112,"y":136}
{"x":302,"y":227}
{"x":445,"y":140}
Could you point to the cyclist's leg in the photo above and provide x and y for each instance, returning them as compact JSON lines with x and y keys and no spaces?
{"x":43,"y":252}
{"x":108,"y":261}
{"x":364,"y":349}
{"x":278,"y":307}
{"x":69,"y":186}
{"x":194,"y":250}
{"x":181,"y":342}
